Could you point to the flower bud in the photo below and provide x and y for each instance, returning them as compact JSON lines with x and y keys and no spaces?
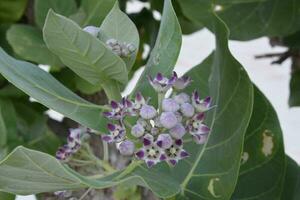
{"x":131,"y":48}
{"x":164,"y":141}
{"x":126,"y":148}
{"x":168,"y":119}
{"x":177,"y":131}
{"x":182,"y":98}
{"x":187,"y":110}
{"x":137,"y":130}
{"x":94,"y":31}
{"x":170,"y":105}
{"x":147,"y":112}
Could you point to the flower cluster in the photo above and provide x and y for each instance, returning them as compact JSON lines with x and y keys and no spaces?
{"x":121,"y":49}
{"x":74,"y":141}
{"x":159,"y":130}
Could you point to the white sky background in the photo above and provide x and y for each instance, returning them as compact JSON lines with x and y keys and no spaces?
{"x":272,"y":80}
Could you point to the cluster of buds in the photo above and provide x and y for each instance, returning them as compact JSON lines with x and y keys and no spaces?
{"x":74,"y":141}
{"x":159,"y":131}
{"x":121,"y":49}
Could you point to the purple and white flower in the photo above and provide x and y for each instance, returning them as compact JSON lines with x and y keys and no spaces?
{"x":164,"y":141}
{"x":201,"y":105}
{"x":197,"y":129}
{"x":74,"y":141}
{"x":162,"y":128}
{"x":160,"y":83}
{"x":180,"y":83}
{"x":201,"y":135}
{"x":175,"y":152}
{"x":150,"y":152}
{"x":120,"y":110}
{"x":117,"y":133}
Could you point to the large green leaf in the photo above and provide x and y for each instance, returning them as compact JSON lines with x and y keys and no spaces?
{"x":212,"y":170}
{"x":292,"y":181}
{"x":28,"y":43}
{"x":11,"y":10}
{"x":263,"y":155}
{"x":41,"y":8}
{"x":117,"y":25}
{"x":83,"y":53}
{"x":45,"y":89}
{"x":27,"y":171}
{"x":165,"y":52}
{"x":247,"y":20}
{"x":96,"y":11}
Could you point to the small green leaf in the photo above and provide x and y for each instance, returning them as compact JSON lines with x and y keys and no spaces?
{"x":117,"y":25}
{"x":96,"y":11}
{"x":83,"y":53}
{"x":27,"y":42}
{"x":45,"y":89}
{"x":165,"y":52}
{"x":11,"y":10}
{"x":63,"y":7}
{"x":263,"y":156}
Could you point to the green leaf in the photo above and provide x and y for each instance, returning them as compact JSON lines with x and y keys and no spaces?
{"x":3,"y":41}
{"x":8,"y":121}
{"x":48,"y":91}
{"x":292,"y":181}
{"x":28,"y":43}
{"x":263,"y":155}
{"x":294,"y":99}
{"x":11,"y":10}
{"x":41,"y":8}
{"x":83,"y":53}
{"x":96,"y":11}
{"x":43,"y":173}
{"x":165,"y":52}
{"x":26,"y":172}
{"x":210,"y":173}
{"x":247,"y":20}
{"x":117,"y":25}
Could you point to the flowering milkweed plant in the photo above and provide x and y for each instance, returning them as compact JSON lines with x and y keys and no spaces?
{"x":206,"y":134}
